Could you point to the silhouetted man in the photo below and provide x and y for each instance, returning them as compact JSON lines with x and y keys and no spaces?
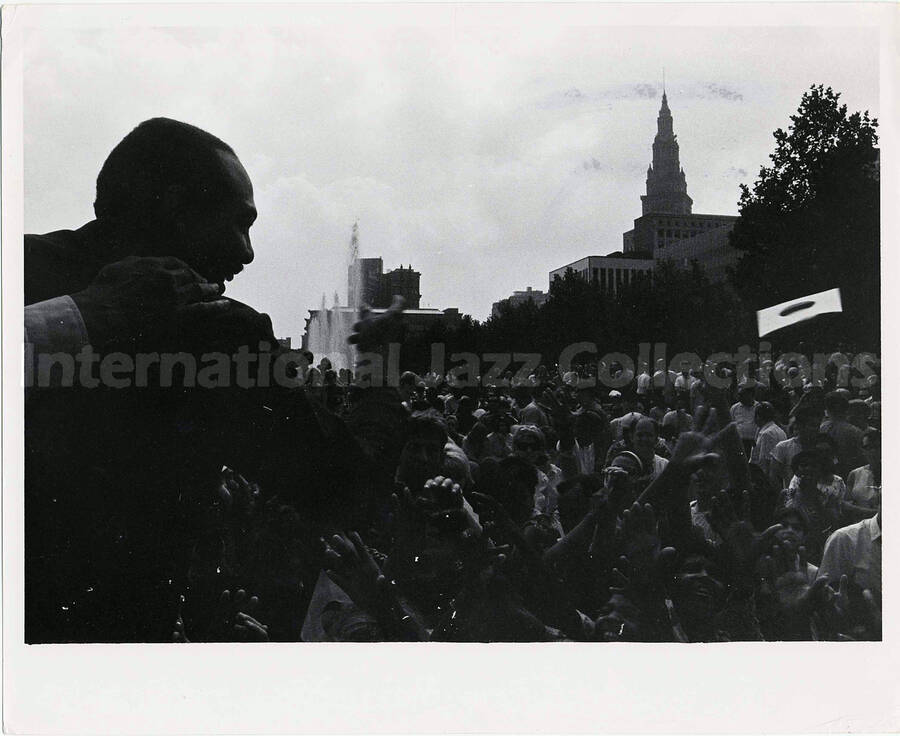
{"x":115,"y":477}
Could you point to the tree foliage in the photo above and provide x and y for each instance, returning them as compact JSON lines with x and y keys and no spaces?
{"x":811,"y":222}
{"x":678,"y":307}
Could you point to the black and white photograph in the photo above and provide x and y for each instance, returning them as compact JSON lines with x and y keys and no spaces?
{"x":451,"y":324}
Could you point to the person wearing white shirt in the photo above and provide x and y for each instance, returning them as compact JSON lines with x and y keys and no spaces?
{"x":743,"y":413}
{"x":769,"y":435}
{"x":854,"y":551}
{"x":643,"y":383}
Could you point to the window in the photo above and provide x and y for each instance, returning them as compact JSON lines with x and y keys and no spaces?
{"x":595,"y":275}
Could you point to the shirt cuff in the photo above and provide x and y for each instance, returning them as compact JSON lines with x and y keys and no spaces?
{"x":55,"y":326}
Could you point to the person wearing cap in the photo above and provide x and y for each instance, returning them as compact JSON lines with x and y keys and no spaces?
{"x":621,"y":478}
{"x":769,"y":435}
{"x":616,"y":405}
{"x":743,"y":413}
{"x":847,"y":438}
{"x":618,"y":425}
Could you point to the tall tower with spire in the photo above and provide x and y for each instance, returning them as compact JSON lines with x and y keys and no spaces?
{"x":666,"y":185}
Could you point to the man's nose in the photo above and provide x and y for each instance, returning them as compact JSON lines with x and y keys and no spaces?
{"x":246,"y":254}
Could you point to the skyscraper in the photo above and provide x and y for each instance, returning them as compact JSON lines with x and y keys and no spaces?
{"x":666,"y":185}
{"x":667,"y":230}
{"x":667,"y":220}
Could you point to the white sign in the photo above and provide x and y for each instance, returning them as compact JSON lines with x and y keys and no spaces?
{"x":798,"y":310}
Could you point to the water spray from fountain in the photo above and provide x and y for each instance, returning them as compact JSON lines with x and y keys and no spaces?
{"x":329,"y":331}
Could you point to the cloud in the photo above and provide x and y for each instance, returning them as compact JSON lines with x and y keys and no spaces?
{"x":725,"y":93}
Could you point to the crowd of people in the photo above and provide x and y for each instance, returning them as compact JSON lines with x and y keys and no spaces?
{"x":550,"y":509}
{"x":547,"y":508}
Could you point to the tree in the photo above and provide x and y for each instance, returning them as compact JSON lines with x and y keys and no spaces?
{"x":811,"y":223}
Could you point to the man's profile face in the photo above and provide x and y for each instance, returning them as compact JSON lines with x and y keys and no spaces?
{"x":215,"y":237}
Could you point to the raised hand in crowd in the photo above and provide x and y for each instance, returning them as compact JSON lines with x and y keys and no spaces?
{"x":231,"y":621}
{"x":788,"y":595}
{"x":849,"y":614}
{"x":742,"y":544}
{"x":375,"y":331}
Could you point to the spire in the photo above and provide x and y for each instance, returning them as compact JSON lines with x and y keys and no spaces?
{"x":666,"y":185}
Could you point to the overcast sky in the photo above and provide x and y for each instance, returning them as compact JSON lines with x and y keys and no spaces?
{"x":485,"y":150}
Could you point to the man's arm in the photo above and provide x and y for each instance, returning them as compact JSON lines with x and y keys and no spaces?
{"x":55,"y":325}
{"x":836,"y":558}
{"x":51,"y":327}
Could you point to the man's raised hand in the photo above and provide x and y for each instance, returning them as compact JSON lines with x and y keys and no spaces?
{"x":372,"y":332}
{"x":130,"y":294}
{"x":349,"y":564}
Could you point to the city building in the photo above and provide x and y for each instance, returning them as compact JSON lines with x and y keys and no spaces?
{"x":364,"y":281}
{"x":667,"y":229}
{"x":520,"y":297}
{"x":368,"y":283}
{"x":611,"y":272}
{"x":710,"y":249}
{"x":402,"y":281}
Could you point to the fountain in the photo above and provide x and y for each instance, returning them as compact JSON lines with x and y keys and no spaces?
{"x":329,"y":328}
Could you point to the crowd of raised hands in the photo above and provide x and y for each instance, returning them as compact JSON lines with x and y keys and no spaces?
{"x":544,"y":512}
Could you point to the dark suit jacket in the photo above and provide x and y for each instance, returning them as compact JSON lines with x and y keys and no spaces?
{"x":116,"y":478}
